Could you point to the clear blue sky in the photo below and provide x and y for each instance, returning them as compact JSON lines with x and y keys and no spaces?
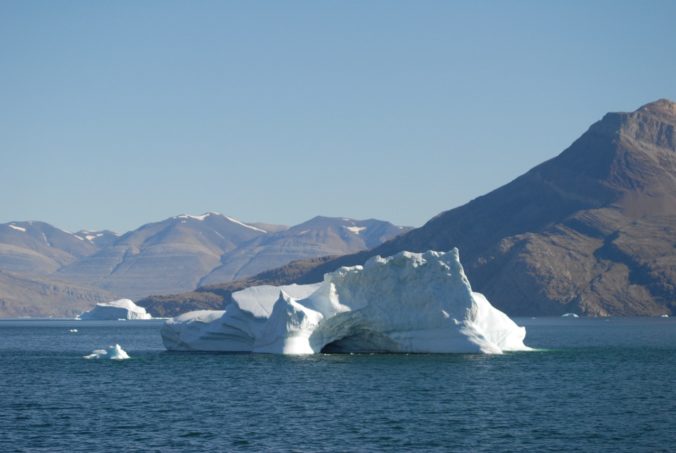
{"x":114,"y":114}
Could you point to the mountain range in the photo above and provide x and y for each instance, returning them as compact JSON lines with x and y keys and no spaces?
{"x":45,"y":271}
{"x":591,"y":231}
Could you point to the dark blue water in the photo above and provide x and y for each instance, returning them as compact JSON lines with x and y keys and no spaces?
{"x":597,"y":385}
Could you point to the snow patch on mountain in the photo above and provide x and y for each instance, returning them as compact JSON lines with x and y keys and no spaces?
{"x":354,"y":229}
{"x":233,"y":220}
{"x":199,"y":218}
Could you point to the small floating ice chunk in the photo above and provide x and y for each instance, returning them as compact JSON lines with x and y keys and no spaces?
{"x":570,"y":315}
{"x":117,"y":353}
{"x":664,"y":316}
{"x":113,"y":353}
{"x":96,"y":354}
{"x":73,"y":331}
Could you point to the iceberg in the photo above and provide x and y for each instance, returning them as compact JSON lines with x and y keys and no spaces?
{"x":113,"y":353}
{"x":115,"y":310}
{"x":406,"y":303}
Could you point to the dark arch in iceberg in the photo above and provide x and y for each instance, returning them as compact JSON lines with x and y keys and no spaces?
{"x":361,"y":340}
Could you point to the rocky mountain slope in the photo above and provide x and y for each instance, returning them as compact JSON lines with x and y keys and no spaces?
{"x":591,"y":231}
{"x":25,"y":296}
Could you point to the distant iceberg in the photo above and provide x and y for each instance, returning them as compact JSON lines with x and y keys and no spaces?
{"x":570,"y":315}
{"x":117,"y":309}
{"x":113,"y":353}
{"x":410,"y":302}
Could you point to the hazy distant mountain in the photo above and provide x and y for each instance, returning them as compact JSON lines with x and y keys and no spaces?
{"x":39,"y":248}
{"x":320,"y":236}
{"x":178,"y":253}
{"x":171,"y":255}
{"x":591,"y":231}
{"x":45,"y":264}
{"x":35,"y":296}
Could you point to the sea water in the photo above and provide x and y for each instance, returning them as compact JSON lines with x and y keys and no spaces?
{"x":593,"y":385}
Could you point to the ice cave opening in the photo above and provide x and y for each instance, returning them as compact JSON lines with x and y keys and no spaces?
{"x":360,"y":340}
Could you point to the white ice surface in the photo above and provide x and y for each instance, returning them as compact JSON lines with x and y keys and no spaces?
{"x":17,"y":228}
{"x":410,"y":302}
{"x":259,"y":300}
{"x":113,"y":353}
{"x":117,"y":309}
